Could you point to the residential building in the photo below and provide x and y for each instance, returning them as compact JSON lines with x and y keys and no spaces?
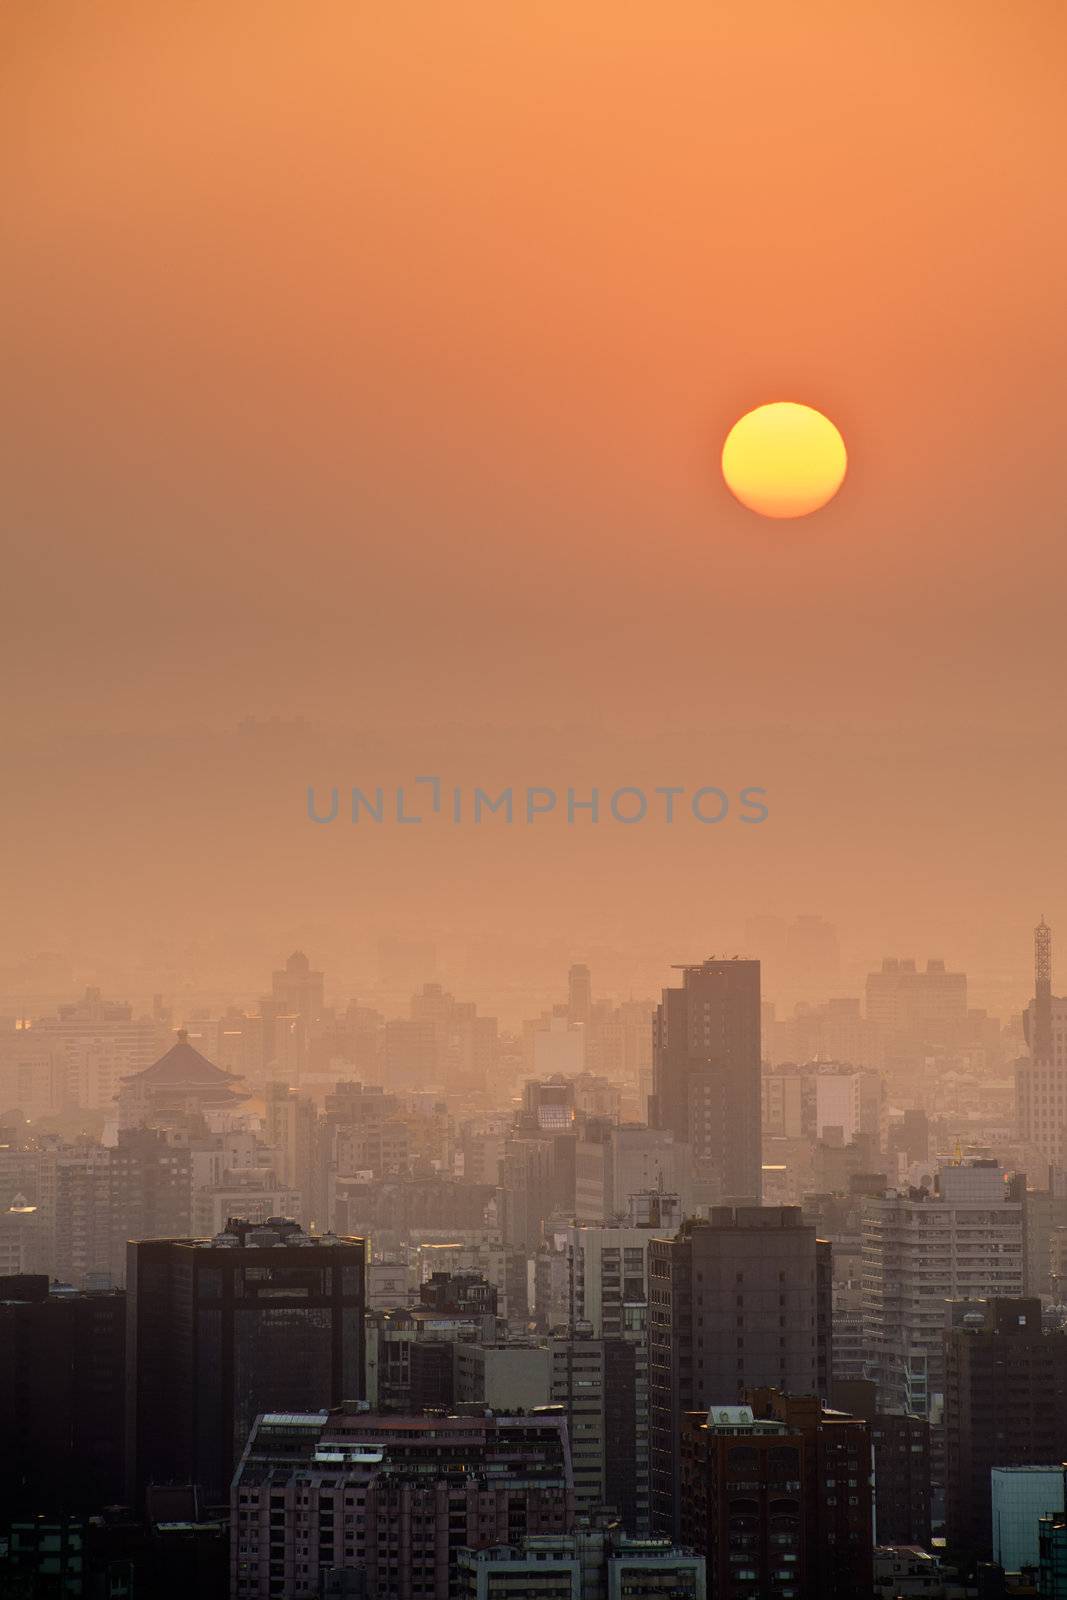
{"x":963,"y":1241}
{"x":736,"y":1302}
{"x":398,"y":1496}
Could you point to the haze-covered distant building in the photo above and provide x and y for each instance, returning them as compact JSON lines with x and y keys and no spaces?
{"x":706,"y":1075}
{"x":181,"y":1083}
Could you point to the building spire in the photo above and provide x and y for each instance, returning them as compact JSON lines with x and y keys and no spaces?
{"x":1042,"y":1045}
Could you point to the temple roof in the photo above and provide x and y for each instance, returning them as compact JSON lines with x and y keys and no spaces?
{"x":182,"y":1064}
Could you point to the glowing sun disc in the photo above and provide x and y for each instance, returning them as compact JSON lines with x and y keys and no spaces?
{"x":784,"y":460}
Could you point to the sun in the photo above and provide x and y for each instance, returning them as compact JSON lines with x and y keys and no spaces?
{"x":784,"y":460}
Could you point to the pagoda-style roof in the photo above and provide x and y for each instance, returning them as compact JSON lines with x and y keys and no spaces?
{"x":182,"y":1065}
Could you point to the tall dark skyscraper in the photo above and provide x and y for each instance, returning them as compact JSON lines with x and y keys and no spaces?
{"x":706,"y":1075}
{"x":62,"y":1375}
{"x":738,"y":1302}
{"x":259,"y":1319}
{"x":1005,"y":1405}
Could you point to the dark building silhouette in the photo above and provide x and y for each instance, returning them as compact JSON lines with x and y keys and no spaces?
{"x":742,"y":1485}
{"x":837,"y":1499}
{"x":115,"y":1555}
{"x":465,"y":1293}
{"x":1052,"y":1546}
{"x":150,"y":1192}
{"x":901,"y":1450}
{"x":528,"y":1174}
{"x":62,"y":1398}
{"x":1005,"y":1405}
{"x":431,"y":1375}
{"x":622,"y":1420}
{"x":259,"y":1319}
{"x":739,"y":1301}
{"x":706,"y":1075}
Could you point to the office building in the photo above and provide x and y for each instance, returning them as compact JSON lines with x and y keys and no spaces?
{"x":62,"y":1398}
{"x":740,"y":1301}
{"x":219,"y":1330}
{"x":1052,"y":1556}
{"x":1005,"y":1405}
{"x":1020,"y":1497}
{"x":706,"y":1076}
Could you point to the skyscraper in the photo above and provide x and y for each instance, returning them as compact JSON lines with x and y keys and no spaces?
{"x":706,"y":1075}
{"x":738,"y":1302}
{"x":1005,"y":1405}
{"x":219,"y":1330}
{"x":1041,"y":1077}
{"x":62,"y":1377}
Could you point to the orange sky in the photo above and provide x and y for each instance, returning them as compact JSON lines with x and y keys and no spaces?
{"x":373,"y":363}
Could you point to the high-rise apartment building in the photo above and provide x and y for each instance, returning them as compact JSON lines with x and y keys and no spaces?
{"x":838,"y":1497}
{"x":917,"y":1008}
{"x":93,"y":1043}
{"x":777,"y":1495}
{"x":964,"y":1241}
{"x":398,"y":1496}
{"x":902,"y":1461}
{"x":741,"y":1503}
{"x":219,"y":1330}
{"x":601,"y":1386}
{"x":706,"y":1075}
{"x":740,"y":1301}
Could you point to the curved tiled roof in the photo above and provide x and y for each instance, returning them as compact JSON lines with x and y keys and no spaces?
{"x":182,"y":1064}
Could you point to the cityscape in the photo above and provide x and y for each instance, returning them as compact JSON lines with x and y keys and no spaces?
{"x":533,"y":960}
{"x":681,"y":1297}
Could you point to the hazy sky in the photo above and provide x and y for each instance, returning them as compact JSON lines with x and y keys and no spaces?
{"x":371,"y":364}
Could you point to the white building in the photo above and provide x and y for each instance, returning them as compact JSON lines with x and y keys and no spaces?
{"x":963,"y":1242}
{"x":94,"y":1044}
{"x":559,"y":1049}
{"x":837,"y":1104}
